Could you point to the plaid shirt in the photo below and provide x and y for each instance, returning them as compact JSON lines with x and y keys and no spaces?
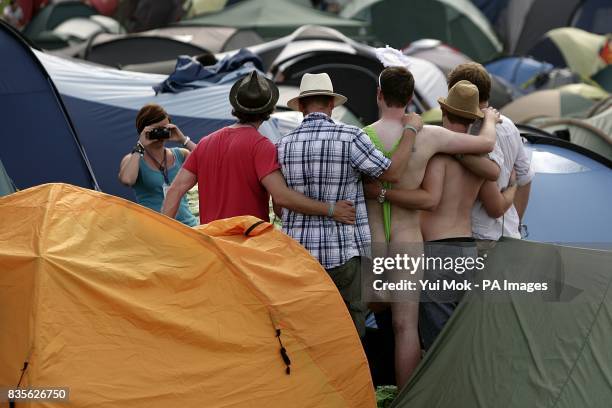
{"x":323,"y":160}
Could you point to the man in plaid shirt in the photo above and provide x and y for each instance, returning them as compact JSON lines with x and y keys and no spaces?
{"x":324,"y":160}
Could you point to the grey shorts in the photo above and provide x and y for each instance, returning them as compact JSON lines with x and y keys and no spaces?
{"x":438,"y":303}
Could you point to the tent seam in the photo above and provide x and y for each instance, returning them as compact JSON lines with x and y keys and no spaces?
{"x":586,"y":339}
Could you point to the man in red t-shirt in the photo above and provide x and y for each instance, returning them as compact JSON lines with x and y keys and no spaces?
{"x":237,"y":169}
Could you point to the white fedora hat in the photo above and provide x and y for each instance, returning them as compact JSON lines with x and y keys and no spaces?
{"x":316,"y":84}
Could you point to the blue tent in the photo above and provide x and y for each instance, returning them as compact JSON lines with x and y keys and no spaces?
{"x":570,"y":194}
{"x":39,"y":142}
{"x":98,"y":104}
{"x":518,"y":70}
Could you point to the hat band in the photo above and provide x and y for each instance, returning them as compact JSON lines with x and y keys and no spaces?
{"x":241,"y":106}
{"x":315,"y":91}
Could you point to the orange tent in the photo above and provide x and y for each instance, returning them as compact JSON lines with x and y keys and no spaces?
{"x":128,"y":308}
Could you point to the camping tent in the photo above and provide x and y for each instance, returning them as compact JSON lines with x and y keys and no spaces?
{"x":273,"y":19}
{"x":556,"y":215}
{"x":133,"y":309}
{"x":515,"y":349}
{"x":54,"y":14}
{"x":39,"y":142}
{"x":455,"y":22}
{"x":520,"y":71}
{"x":524,"y":22}
{"x":587,"y":54}
{"x":593,"y":133}
{"x":446,"y":58}
{"x":6,"y":184}
{"x":141,"y":15}
{"x":594,"y":16}
{"x":120,"y":50}
{"x":547,"y":103}
{"x":214,"y":39}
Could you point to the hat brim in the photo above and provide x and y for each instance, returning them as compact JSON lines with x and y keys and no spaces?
{"x":460,"y":112}
{"x":293,"y":103}
{"x":270,"y":105}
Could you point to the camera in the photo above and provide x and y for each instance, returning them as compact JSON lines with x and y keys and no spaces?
{"x":159,"y":133}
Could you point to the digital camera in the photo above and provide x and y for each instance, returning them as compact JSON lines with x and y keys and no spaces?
{"x":159,"y":133}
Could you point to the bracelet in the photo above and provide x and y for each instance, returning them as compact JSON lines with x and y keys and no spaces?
{"x":410,"y":127}
{"x":139,"y":148}
{"x":187,"y":139}
{"x":330,"y":211}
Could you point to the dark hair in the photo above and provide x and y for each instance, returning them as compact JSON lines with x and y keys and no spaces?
{"x":150,"y":114}
{"x":476,"y":74}
{"x":321,"y":100}
{"x":456,"y":118}
{"x":397,"y":86}
{"x":252,"y":117}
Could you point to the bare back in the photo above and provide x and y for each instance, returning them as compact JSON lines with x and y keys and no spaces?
{"x":452,"y":218}
{"x":405,"y":225}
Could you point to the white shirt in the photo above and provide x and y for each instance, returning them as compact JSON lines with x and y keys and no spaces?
{"x":509,"y":145}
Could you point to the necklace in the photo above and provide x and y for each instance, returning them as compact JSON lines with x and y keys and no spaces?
{"x":161,"y":166}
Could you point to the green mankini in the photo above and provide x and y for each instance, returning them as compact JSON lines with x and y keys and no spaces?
{"x":369,"y":130}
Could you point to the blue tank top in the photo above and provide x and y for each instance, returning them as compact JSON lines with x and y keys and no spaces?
{"x":149,"y":191}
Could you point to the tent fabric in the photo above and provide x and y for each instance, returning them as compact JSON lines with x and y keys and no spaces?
{"x":103,"y":103}
{"x":443,"y":56}
{"x":273,"y":19}
{"x":594,"y":16}
{"x":604,"y":78}
{"x":213,"y":39}
{"x":553,"y":215}
{"x":54,"y":14}
{"x":6,"y":184}
{"x":120,"y":50}
{"x":523,"y":22}
{"x":518,"y":70}
{"x":588,"y":91}
{"x":506,"y":349}
{"x":42,"y":129}
{"x":546,"y":103}
{"x":190,"y":74}
{"x":584,"y":136}
{"x":456,"y":22}
{"x":189,"y":317}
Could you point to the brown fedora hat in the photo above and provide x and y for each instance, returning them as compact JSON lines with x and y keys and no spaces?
{"x":253,"y":94}
{"x":462,"y":101}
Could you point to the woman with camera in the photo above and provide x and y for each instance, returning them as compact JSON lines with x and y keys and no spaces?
{"x":150,"y":168}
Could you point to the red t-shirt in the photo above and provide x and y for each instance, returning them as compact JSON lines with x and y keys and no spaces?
{"x":229,"y":165}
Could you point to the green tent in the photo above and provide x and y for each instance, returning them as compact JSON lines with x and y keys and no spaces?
{"x":6,"y":184}
{"x":272,"y":19}
{"x":510,"y":350}
{"x":455,"y":22}
{"x":54,"y":14}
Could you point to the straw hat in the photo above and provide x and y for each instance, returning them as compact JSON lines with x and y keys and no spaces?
{"x":462,"y":101}
{"x":253,"y":94}
{"x":316,"y":84}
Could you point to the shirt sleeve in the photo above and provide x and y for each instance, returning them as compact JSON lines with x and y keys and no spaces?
{"x":497,"y":155}
{"x":191,"y":164}
{"x":366,"y":158}
{"x":522,"y":165}
{"x":265,"y":158}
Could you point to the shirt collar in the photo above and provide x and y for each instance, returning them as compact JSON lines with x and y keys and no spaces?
{"x":316,"y":116}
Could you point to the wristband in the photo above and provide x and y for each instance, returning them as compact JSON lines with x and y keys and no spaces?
{"x":139,"y":148}
{"x":410,"y":127}
{"x":330,"y":211}
{"x":187,"y":139}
